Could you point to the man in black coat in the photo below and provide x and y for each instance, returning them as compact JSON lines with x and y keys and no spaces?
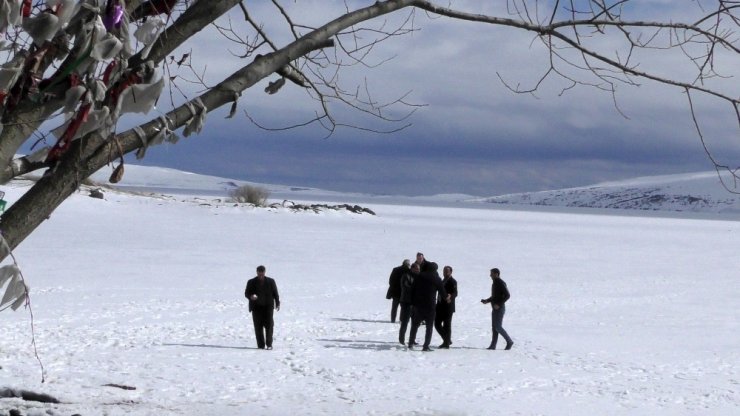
{"x":445,"y":309}
{"x":424,"y":300}
{"x":394,"y":286}
{"x":407,"y":282}
{"x":263,"y":297}
{"x":499,"y":296}
{"x":422,"y":262}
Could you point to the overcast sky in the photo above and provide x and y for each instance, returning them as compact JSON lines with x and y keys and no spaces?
{"x":473,"y":135}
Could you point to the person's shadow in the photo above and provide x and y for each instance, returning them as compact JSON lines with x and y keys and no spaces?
{"x":209,"y":346}
{"x":372,"y":321}
{"x":356,"y":344}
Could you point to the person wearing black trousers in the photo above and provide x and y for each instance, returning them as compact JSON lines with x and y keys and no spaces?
{"x":263,"y":298}
{"x":445,"y":309}
{"x":394,"y":286}
{"x":499,"y":296}
{"x":407,"y":281}
{"x":424,"y":299}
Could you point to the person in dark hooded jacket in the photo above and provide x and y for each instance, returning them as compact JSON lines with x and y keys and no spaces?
{"x":424,"y":301}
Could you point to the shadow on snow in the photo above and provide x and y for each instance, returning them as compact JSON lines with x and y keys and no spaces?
{"x":210,"y":346}
{"x":357,"y":344}
{"x":374,"y":321}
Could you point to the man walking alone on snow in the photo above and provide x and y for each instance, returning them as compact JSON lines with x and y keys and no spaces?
{"x":263,"y":297}
{"x":499,"y":296}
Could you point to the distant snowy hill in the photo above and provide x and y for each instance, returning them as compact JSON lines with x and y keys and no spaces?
{"x":166,"y":180}
{"x":691,"y":192}
{"x":149,"y":177}
{"x":699,"y":192}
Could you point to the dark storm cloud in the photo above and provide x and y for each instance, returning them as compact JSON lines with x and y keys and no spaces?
{"x":475,"y":136}
{"x":421,"y":161}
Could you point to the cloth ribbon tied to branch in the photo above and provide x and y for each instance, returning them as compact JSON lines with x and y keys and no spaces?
{"x":164,"y":133}
{"x":16,"y":292}
{"x":197,"y":119}
{"x":153,"y":8}
{"x":45,"y":25}
{"x":113,"y":15}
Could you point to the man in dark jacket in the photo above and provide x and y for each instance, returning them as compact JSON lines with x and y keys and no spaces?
{"x":407,"y":281}
{"x":394,"y":286}
{"x":424,"y":300}
{"x":445,"y":309}
{"x":499,"y":296}
{"x":263,"y":297}
{"x":422,"y":262}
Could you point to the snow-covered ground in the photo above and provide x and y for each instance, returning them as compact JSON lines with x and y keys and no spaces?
{"x":610,"y":314}
{"x":691,"y":192}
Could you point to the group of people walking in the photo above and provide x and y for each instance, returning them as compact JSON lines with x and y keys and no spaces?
{"x":424,"y":297}
{"x":416,"y":288}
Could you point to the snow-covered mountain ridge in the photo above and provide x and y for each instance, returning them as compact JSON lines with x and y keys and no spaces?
{"x":700,"y":192}
{"x":691,"y":192}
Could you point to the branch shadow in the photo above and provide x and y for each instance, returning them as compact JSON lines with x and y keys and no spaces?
{"x":210,"y":346}
{"x":356,"y":344}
